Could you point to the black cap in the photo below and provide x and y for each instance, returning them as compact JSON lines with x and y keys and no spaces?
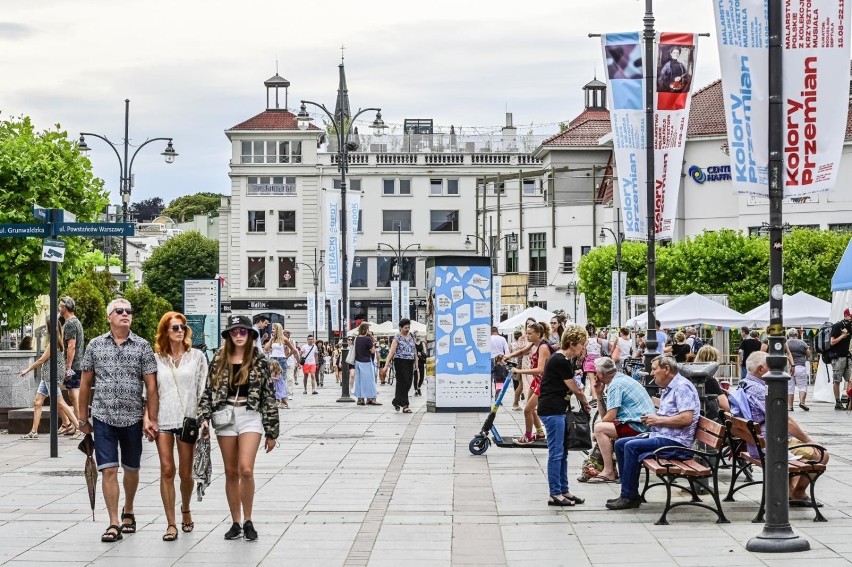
{"x":239,"y":322}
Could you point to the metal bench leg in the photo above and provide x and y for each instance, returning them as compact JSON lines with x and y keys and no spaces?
{"x":819,"y":517}
{"x":722,"y":519}
{"x":760,"y":514}
{"x":667,"y":480}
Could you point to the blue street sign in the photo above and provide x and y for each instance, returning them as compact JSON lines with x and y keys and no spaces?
{"x":22,"y":230}
{"x":96,"y":229}
{"x":41,"y":213}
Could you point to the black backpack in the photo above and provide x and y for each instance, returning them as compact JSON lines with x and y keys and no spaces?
{"x":822,"y":341}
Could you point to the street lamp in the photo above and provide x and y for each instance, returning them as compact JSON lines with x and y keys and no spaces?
{"x":619,"y":238}
{"x":125,"y":166}
{"x":315,"y":271}
{"x":488,"y":251}
{"x":399,"y":254}
{"x":342,"y":127}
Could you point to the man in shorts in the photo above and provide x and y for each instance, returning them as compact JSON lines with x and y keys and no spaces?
{"x":799,"y":357}
{"x":120,"y":362}
{"x":309,"y":364}
{"x":839,"y":355}
{"x":75,"y":346}
{"x":626,"y":402}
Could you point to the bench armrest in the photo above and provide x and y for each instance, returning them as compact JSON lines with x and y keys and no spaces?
{"x":819,"y":448}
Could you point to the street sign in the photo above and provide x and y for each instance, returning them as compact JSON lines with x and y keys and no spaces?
{"x":53,"y":250}
{"x":96,"y":229}
{"x":41,"y":213}
{"x":22,"y":230}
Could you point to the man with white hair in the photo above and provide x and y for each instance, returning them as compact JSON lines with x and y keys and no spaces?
{"x":626,"y":402}
{"x":798,"y":355}
{"x":120,"y":361}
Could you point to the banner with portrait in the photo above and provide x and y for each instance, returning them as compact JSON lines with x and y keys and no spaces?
{"x":815,"y":52}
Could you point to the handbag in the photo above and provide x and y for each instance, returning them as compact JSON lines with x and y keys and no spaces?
{"x":223,"y":418}
{"x":578,"y":431}
{"x":350,"y":356}
{"x":189,"y":427}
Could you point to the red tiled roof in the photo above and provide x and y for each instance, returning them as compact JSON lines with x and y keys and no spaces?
{"x":707,"y":112}
{"x":584,"y":130}
{"x":272,"y":119}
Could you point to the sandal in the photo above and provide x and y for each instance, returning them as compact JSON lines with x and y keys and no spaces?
{"x":170,"y":535}
{"x":128,"y":528}
{"x":523,"y":440}
{"x":554,"y":501}
{"x":112,"y":534}
{"x":62,"y":429}
{"x":574,"y":499}
{"x":187,"y":526}
{"x":406,"y":410}
{"x":601,"y":479}
{"x":70,"y":429}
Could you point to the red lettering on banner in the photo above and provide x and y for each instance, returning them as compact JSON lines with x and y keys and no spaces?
{"x":660,"y":196}
{"x":801,"y":145}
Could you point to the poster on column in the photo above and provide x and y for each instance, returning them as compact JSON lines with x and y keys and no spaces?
{"x":457,"y":289}
{"x":312,"y":313}
{"x":815,"y":83}
{"x":321,"y":318}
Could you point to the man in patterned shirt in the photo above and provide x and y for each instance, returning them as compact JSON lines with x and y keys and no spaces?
{"x":673,"y":426}
{"x":120,"y":362}
{"x":626,"y":402}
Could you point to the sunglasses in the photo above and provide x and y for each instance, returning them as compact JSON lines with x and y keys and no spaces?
{"x":177,"y":328}
{"x":241,"y":332}
{"x":123,"y":310}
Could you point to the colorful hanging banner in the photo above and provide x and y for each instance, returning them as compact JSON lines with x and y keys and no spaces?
{"x":312,"y":312}
{"x":334,"y":252}
{"x":815,"y":52}
{"x":321,"y":318}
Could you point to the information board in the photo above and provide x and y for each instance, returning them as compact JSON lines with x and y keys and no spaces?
{"x":201,"y":307}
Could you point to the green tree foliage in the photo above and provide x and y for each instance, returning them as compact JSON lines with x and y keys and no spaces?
{"x":148,"y":308}
{"x":184,"y":209}
{"x":188,"y":256}
{"x":42,"y":168}
{"x":725,"y":262}
{"x":147,"y":210}
{"x":92,"y":292}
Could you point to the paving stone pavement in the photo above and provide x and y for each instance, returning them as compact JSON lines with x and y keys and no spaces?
{"x":367,"y":486}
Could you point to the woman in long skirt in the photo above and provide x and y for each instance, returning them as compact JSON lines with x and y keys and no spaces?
{"x":402,"y":353}
{"x":365,"y":370}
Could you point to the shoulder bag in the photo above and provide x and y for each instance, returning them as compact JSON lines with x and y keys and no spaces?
{"x":305,"y":358}
{"x":578,"y":431}
{"x":189,"y":426}
{"x":350,"y":356}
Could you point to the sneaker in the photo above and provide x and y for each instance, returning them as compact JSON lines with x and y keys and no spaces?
{"x":30,"y":435}
{"x":251,"y":533}
{"x":235,"y":532}
{"x":593,"y":403}
{"x":839,"y":406}
{"x":523,"y":440}
{"x":804,"y":407}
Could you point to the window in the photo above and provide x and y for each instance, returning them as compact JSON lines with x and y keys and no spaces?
{"x":388,"y":186}
{"x":256,"y":272}
{"x":396,"y":220}
{"x":807,"y":226}
{"x":755,"y":231}
{"x":511,"y":260}
{"x":452,"y":186}
{"x":286,"y":221}
{"x":360,"y":220}
{"x":529,"y":186}
{"x":444,"y":221}
{"x":351,"y":184}
{"x":841,"y":227}
{"x":270,"y":151}
{"x":436,"y":186}
{"x":542,"y":304}
{"x":286,"y":271}
{"x":359,"y":272}
{"x":567,"y":259}
{"x":387,"y":273}
{"x":585,"y":250}
{"x":498,"y":188}
{"x":271,"y":185}
{"x":538,"y":259}
{"x":405,"y":187}
{"x":257,"y":221}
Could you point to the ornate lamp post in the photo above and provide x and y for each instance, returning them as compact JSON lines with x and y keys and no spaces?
{"x":619,"y":238}
{"x":125,"y":166}
{"x":399,"y":254}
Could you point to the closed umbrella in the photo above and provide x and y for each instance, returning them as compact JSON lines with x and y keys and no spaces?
{"x":90,"y":470}
{"x":202,"y":469}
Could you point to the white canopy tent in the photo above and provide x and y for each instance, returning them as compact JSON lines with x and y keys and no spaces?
{"x":354,"y":332}
{"x":841,"y":298}
{"x":801,"y":310}
{"x":518,"y":320}
{"x":692,"y":309}
{"x":391,"y":329}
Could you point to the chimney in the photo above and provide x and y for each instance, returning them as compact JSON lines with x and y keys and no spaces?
{"x":510,"y":135}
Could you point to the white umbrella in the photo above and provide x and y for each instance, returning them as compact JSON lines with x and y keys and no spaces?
{"x":518,"y":320}
{"x":692,"y":309}
{"x":354,"y":332}
{"x":800,"y":310}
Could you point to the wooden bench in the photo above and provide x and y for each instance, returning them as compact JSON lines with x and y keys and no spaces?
{"x":741,"y":433}
{"x":703,"y":466}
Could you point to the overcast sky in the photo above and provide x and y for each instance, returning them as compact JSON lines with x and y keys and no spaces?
{"x":194,"y":68}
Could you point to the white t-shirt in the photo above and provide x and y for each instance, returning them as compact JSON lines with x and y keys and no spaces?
{"x":624,"y":346}
{"x":309,"y":352}
{"x":498,"y":346}
{"x":593,"y":347}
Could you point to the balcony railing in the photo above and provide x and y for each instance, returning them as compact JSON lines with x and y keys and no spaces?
{"x":271,"y":189}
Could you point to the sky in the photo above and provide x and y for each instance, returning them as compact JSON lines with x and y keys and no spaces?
{"x":194,"y":68}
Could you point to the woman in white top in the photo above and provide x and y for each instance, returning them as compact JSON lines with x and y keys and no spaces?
{"x":593,"y":351}
{"x":275,"y":349}
{"x":181,"y":378}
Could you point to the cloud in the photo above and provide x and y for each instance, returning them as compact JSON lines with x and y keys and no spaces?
{"x":12,"y":31}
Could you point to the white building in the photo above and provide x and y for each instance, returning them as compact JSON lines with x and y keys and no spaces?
{"x":542,"y":207}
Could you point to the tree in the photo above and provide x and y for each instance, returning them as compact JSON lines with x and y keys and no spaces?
{"x":148,"y":308}
{"x":147,"y":210}
{"x":92,"y":293}
{"x":184,"y":209}
{"x":187,"y":256}
{"x":810,"y":259}
{"x":41,"y":168}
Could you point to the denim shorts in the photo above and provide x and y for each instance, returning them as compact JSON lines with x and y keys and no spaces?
{"x":43,"y":389}
{"x":73,"y":382}
{"x":109,"y":439}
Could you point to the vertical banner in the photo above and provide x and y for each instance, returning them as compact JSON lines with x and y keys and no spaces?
{"x":321,"y":319}
{"x":815,"y":53}
{"x":332,"y":248}
{"x":405,"y":302}
{"x":394,"y":287}
{"x":353,"y":204}
{"x":312,"y":314}
{"x":335,"y":313}
{"x":618,"y":304}
{"x":496,"y":298}
{"x":674,"y":79}
{"x":623,"y":58}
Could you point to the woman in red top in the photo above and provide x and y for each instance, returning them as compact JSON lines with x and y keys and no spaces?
{"x":537,"y":334}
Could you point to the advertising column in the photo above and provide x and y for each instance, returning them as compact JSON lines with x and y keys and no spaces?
{"x":459,"y":307}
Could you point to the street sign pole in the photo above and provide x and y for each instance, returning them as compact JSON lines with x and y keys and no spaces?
{"x":54,"y":348}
